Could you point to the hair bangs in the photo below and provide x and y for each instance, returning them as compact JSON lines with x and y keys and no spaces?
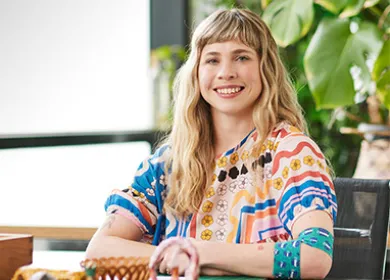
{"x":229,"y":27}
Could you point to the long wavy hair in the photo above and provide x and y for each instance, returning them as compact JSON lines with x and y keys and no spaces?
{"x":192,"y":157}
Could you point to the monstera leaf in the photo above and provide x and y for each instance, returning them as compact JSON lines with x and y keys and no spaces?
{"x":334,"y":54}
{"x":334,"y":6}
{"x":352,"y":8}
{"x":264,"y":3}
{"x":346,"y":8}
{"x":289,"y":20}
{"x":381,"y":74}
{"x":370,"y":3}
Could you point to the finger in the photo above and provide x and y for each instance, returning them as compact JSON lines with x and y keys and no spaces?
{"x":173,"y":259}
{"x":163,"y":267}
{"x":181,"y":261}
{"x":169,"y":253}
{"x":175,"y":274}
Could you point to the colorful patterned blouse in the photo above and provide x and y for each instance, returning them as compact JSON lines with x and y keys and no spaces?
{"x":237,"y":207}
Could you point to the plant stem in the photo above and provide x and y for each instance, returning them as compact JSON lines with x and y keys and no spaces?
{"x":373,"y":110}
{"x":375,"y":11}
{"x":353,"y":117}
{"x":383,"y":17}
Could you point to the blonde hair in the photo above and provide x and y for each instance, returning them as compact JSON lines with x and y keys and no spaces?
{"x":192,"y":156}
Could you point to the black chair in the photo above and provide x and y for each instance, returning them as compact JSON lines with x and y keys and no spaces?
{"x":361,"y":229}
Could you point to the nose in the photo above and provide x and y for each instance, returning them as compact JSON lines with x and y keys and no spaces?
{"x":227,"y":71}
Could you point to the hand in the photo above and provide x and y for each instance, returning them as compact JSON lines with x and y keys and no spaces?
{"x":204,"y":270}
{"x":174,"y":258}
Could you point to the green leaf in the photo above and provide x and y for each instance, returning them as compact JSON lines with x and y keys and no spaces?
{"x":352,"y":8}
{"x":265,"y":3}
{"x":381,"y":74}
{"x":333,"y":53}
{"x":370,"y":3}
{"x":334,"y":6}
{"x":289,"y":20}
{"x":382,"y":63}
{"x":383,"y":89}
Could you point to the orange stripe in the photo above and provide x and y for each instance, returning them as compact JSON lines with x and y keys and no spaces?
{"x":263,"y":194}
{"x":310,"y":174}
{"x":295,"y":152}
{"x":145,"y":213}
{"x":250,"y":199}
{"x":252,"y":218}
{"x":193,"y":226}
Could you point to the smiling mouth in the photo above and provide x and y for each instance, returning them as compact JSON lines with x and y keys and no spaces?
{"x":229,"y":91}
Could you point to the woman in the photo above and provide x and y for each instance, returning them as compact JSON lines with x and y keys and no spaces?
{"x":237,"y":174}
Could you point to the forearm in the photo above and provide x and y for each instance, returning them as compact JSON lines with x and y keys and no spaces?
{"x":258,"y":259}
{"x":243,"y":259}
{"x":215,"y":272}
{"x":112,"y":246}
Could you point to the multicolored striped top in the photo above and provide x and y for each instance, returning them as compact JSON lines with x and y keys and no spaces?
{"x":238,"y":207}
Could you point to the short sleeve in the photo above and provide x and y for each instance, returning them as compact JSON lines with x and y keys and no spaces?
{"x":142,"y":201}
{"x":302,"y":180}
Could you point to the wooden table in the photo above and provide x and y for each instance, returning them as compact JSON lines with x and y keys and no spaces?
{"x":70,"y":260}
{"x":15,"y":251}
{"x":59,"y":233}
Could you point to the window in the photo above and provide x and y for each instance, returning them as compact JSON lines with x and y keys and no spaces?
{"x":75,"y":65}
{"x":71,"y":66}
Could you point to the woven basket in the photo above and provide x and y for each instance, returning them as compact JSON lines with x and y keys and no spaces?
{"x":131,"y":268}
{"x":121,"y":268}
{"x":27,"y":273}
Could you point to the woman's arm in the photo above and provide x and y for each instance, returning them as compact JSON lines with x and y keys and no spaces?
{"x":118,"y":236}
{"x":258,"y":259}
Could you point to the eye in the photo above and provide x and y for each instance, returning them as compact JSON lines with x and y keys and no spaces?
{"x":211,"y":61}
{"x":242,"y":58}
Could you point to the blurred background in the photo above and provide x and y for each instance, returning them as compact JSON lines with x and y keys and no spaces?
{"x":85,"y":92}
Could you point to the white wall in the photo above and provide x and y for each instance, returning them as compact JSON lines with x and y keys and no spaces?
{"x":74,"y":65}
{"x":70,"y":66}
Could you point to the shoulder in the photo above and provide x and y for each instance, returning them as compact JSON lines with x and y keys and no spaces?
{"x":161,"y":154}
{"x":295,"y":151}
{"x":155,"y":162}
{"x":286,"y":137}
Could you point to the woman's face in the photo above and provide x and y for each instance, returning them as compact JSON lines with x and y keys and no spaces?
{"x":229,"y":78}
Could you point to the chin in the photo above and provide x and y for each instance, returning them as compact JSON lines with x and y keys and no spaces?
{"x":229,"y":110}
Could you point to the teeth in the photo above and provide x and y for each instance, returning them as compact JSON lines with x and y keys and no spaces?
{"x":228,"y":90}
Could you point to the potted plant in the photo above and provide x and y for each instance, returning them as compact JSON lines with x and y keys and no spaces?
{"x":346,"y":64}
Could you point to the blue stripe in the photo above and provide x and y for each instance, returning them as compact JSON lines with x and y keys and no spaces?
{"x":116,"y":199}
{"x":157,"y":234}
{"x":299,"y":189}
{"x":306,"y":200}
{"x":251,"y":210}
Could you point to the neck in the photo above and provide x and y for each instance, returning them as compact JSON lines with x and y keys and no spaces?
{"x":229,"y":131}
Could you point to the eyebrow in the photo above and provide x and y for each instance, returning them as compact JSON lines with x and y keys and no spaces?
{"x":236,"y":51}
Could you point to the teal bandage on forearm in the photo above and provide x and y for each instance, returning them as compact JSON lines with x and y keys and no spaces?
{"x":318,"y":238}
{"x":287,"y":260}
{"x":287,"y":255}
